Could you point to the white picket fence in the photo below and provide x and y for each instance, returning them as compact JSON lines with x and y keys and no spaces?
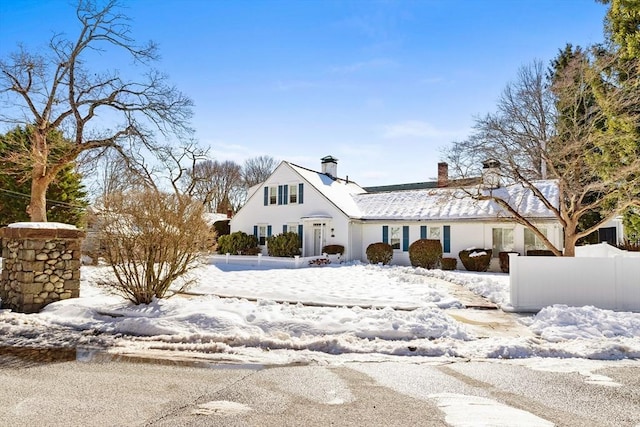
{"x":611,"y":282}
{"x":272,"y":262}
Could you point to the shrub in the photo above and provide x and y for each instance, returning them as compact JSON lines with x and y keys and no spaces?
{"x":151,"y":239}
{"x":379,"y":253}
{"x":540,"y":252}
{"x":236,"y":243}
{"x":629,"y":245}
{"x":222,"y":227}
{"x":475,"y":259}
{"x":283,"y":245}
{"x":333,"y":250}
{"x":426,"y":253}
{"x":449,"y":263}
{"x":504,"y":260}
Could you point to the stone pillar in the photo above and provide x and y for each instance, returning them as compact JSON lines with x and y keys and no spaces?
{"x":40,"y":265}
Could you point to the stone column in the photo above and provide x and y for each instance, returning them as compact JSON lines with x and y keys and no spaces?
{"x":41,"y":265}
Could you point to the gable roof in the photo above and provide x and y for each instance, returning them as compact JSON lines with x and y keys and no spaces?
{"x":445,"y":203}
{"x":337,"y":190}
{"x":455,"y":204}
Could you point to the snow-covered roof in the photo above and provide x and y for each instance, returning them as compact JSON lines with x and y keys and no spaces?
{"x":452,"y":204}
{"x":211,"y":218}
{"x":339,"y":191}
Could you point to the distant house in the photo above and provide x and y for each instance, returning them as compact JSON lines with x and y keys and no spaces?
{"x":324,"y":209}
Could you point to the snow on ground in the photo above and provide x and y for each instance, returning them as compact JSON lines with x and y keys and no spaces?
{"x":317,"y":314}
{"x":464,"y":410}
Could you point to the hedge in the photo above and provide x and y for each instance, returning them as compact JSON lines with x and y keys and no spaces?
{"x":476,"y":259}
{"x":379,"y":253}
{"x":426,"y":253}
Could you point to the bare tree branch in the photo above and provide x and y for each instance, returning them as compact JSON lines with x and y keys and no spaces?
{"x":58,"y":90}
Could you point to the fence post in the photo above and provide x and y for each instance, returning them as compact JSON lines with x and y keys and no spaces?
{"x":227,"y":258}
{"x":513,"y":279}
{"x":259,"y":259}
{"x":617,"y":282}
{"x":297,"y":257}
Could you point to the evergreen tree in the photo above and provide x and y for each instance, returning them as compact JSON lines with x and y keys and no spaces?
{"x":66,"y":198}
{"x":622,"y":29}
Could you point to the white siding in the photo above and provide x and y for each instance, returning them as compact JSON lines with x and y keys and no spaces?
{"x":314,"y":204}
{"x":464,"y":235}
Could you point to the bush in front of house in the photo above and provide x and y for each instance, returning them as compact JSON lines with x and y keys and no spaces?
{"x":237,"y":243}
{"x":540,"y":252}
{"x":426,"y":253}
{"x":150,"y":240}
{"x":379,"y":253}
{"x":449,"y":263}
{"x":222,"y":227}
{"x":475,"y":259}
{"x":283,"y":245}
{"x":504,"y":260}
{"x":333,"y":250}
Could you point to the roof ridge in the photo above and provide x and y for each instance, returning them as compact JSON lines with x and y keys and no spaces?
{"x":335,"y":178}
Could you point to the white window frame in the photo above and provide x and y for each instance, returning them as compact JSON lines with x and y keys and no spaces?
{"x":434,"y":233}
{"x":273,"y":195}
{"x":395,"y":237}
{"x":262,"y":234}
{"x":537,"y":242}
{"x":508,"y":247}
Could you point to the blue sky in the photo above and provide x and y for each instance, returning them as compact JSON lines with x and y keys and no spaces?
{"x":381,"y":85}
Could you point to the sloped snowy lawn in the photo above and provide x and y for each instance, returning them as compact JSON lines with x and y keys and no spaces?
{"x":316,"y":320}
{"x":359,"y":284}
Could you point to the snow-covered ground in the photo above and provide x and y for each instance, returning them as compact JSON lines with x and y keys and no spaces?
{"x":329,"y":314}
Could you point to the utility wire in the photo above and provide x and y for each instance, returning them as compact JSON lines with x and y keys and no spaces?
{"x":18,"y":195}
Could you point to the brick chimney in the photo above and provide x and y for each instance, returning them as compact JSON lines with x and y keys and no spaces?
{"x":330,"y":166}
{"x":443,"y":174}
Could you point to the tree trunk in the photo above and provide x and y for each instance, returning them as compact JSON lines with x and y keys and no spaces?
{"x":570,"y":239}
{"x":38,"y":207}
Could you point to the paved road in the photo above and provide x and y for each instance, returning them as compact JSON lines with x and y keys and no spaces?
{"x":43,"y":392}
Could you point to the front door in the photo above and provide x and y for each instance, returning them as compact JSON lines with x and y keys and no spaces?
{"x":317,"y":240}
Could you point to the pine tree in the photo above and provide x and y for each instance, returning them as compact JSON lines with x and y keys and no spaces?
{"x":66,"y":198}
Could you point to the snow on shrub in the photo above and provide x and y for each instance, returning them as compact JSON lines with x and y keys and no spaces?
{"x":475,"y":259}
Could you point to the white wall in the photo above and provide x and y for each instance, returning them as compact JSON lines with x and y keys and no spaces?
{"x":464,"y":235}
{"x":608,"y":283}
{"x":254,"y":212}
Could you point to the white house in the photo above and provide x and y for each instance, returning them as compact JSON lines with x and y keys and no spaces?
{"x":324,"y":209}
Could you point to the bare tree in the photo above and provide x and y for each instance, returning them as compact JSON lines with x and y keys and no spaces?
{"x":58,"y":90}
{"x":216,"y":184}
{"x":577,"y":131}
{"x":256,"y":170}
{"x":154,"y":236}
{"x":152,"y":239}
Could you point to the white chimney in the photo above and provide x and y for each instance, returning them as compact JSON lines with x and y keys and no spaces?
{"x":491,"y":173}
{"x":330,"y":166}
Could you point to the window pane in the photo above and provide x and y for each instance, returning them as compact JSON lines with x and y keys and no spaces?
{"x":434,"y":233}
{"x":531,"y":241}
{"x":394,"y":239}
{"x":293,"y":194}
{"x":502,"y":240}
{"x":262,"y":234}
{"x":273,"y":195}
